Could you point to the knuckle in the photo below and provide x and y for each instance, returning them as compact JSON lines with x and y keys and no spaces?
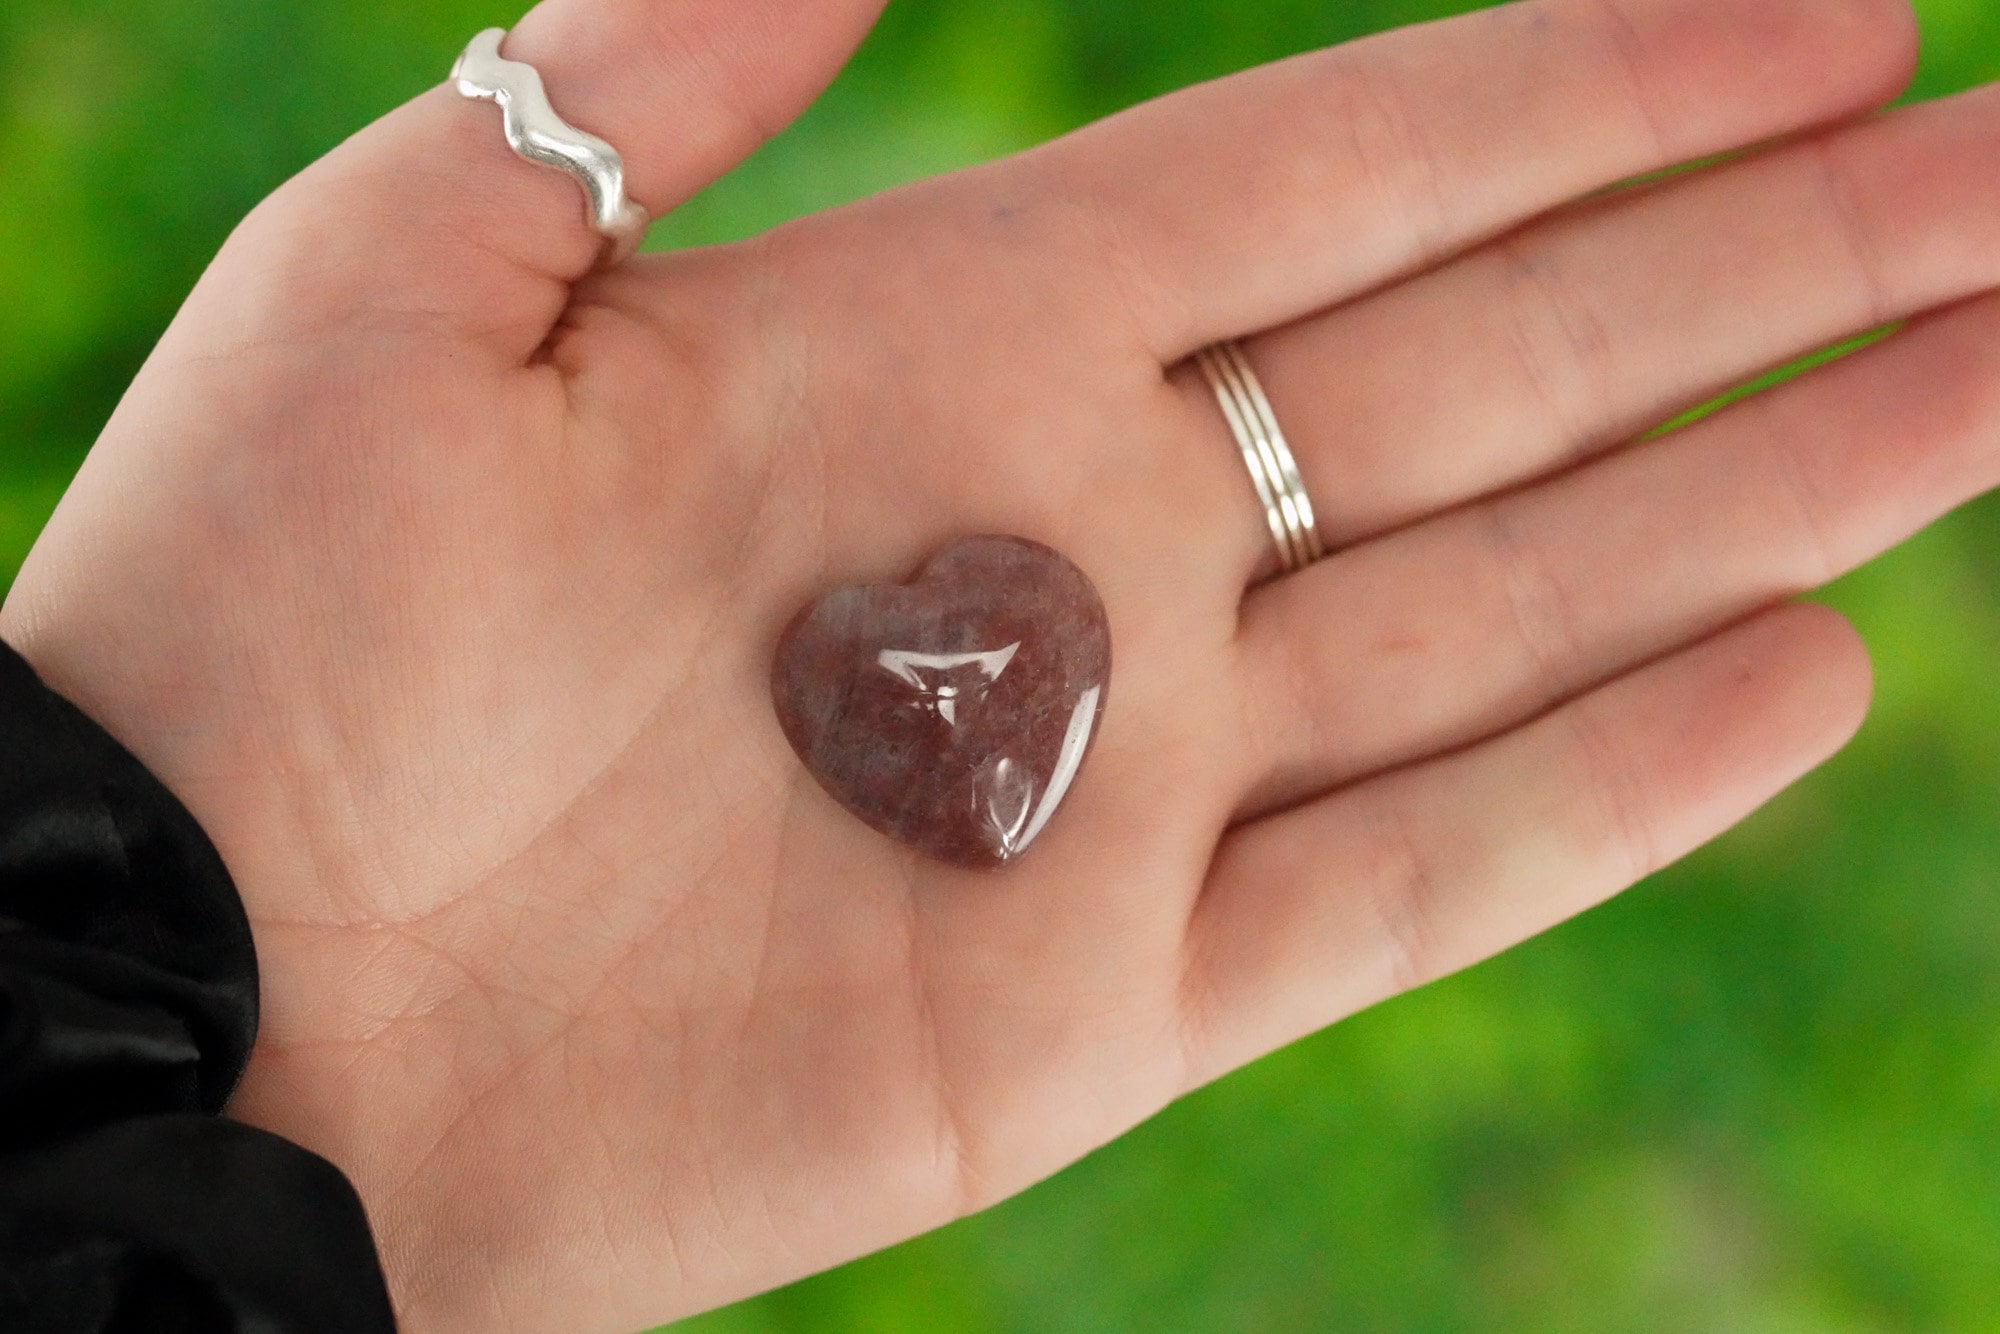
{"x":1561,"y":346}
{"x":1801,"y":499}
{"x":1622,"y":827}
{"x":1391,"y":152}
{"x":1405,"y":899}
{"x":1538,"y":604}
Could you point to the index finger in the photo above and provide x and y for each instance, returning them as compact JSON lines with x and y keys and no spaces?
{"x":1251,"y":201}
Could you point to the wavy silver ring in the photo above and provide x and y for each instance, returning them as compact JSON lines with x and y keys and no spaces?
{"x":537,"y":133}
{"x":1273,"y":470}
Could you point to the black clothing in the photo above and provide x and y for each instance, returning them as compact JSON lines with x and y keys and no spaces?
{"x":128,"y":1004}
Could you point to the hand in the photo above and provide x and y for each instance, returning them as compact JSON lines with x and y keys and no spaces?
{"x":442,"y":581}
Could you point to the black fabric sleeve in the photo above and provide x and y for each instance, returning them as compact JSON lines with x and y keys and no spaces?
{"x":128,"y":1004}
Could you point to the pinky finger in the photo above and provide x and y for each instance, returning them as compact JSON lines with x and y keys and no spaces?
{"x":1320,"y":911}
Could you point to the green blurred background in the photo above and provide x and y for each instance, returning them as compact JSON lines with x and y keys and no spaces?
{"x":1759,"y":1093}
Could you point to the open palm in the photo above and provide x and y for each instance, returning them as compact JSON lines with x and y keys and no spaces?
{"x":442,"y":580}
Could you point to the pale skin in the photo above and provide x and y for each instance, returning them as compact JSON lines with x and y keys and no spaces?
{"x":441,"y":578}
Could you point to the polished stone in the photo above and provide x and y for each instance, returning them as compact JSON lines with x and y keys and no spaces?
{"x":952,"y":712}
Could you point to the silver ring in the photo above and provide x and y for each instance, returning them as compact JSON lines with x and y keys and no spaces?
{"x":537,"y":133}
{"x":1273,"y":470}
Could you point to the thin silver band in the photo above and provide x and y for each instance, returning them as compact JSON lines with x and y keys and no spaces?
{"x":1273,"y":470}
{"x":537,"y":133}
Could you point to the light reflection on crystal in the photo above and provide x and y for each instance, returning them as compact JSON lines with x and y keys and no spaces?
{"x":1082,"y":721}
{"x":959,"y":675}
{"x":1004,"y":792}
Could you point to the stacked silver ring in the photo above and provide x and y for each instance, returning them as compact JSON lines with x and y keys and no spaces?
{"x":1273,"y":470}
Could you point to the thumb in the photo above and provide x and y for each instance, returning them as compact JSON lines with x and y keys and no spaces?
{"x":429,"y":211}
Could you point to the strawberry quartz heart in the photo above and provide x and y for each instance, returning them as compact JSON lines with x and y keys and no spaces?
{"x":952,"y":712}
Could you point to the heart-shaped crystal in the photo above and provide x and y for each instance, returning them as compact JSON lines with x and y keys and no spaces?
{"x":951,"y":712}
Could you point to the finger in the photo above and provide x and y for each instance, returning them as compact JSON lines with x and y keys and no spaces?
{"x":1584,"y":330}
{"x":1313,"y":914}
{"x":1252,"y":201}
{"x":428,"y":216}
{"x":1501,"y":609}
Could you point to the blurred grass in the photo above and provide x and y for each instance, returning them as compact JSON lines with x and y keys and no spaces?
{"x":1759,"y":1093}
